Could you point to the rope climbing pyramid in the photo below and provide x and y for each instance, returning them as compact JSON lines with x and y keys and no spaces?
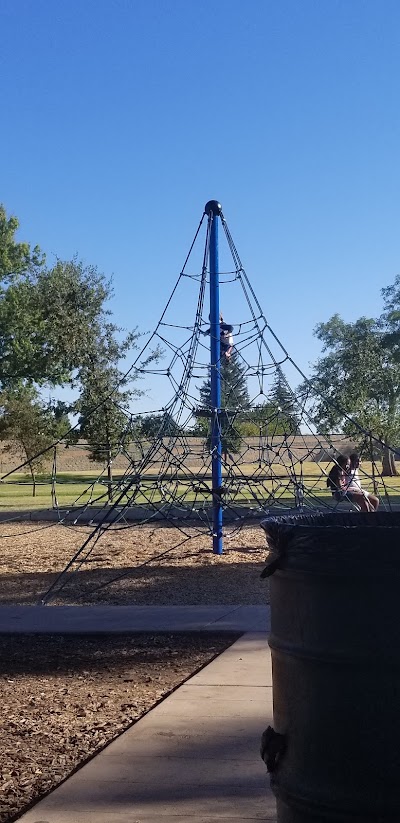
{"x":222,"y":438}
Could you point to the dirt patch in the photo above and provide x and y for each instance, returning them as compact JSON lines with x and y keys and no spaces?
{"x":136,"y":565}
{"x":65,"y":697}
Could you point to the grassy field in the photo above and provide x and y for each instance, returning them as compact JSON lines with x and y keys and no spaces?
{"x":75,"y":489}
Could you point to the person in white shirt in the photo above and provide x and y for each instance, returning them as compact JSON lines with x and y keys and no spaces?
{"x":370,"y":501}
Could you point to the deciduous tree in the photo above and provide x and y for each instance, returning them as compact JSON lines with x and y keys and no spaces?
{"x":357,"y":377}
{"x":29,"y":426}
{"x":48,"y":319}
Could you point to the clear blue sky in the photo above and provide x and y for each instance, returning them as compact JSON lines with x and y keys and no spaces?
{"x":120,"y":119}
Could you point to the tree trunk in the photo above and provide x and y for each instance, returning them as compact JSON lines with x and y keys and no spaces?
{"x":388,"y":463}
{"x":109,"y":478}
{"x":32,"y":471}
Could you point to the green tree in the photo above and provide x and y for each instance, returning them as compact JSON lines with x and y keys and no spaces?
{"x":357,"y":376}
{"x":390,"y":319}
{"x":235,"y":402}
{"x":106,"y":395}
{"x":48,"y":319}
{"x":259,"y":418}
{"x":15,"y":257}
{"x":62,"y":423}
{"x":157,"y":425}
{"x":30,"y":426}
{"x":277,"y":415}
{"x":283,"y":400}
{"x":55,"y":330}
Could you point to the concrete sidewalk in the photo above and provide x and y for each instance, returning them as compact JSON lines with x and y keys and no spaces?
{"x":194,"y":757}
{"x":104,"y":619}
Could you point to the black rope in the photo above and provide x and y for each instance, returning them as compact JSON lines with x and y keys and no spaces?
{"x":159,"y":477}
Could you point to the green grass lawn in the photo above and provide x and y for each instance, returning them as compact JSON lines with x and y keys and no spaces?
{"x":81,"y":488}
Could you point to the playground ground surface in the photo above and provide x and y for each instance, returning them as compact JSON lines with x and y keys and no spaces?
{"x":64,"y":697}
{"x":136,"y":565}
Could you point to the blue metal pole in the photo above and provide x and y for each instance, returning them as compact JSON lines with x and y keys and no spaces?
{"x":213,"y":209}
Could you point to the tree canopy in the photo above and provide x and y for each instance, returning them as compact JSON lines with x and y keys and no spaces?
{"x":157,"y":426}
{"x":30,"y":425}
{"x":277,"y":415}
{"x":235,"y":402}
{"x":358,"y":377}
{"x":55,"y":330}
{"x":49,"y":320}
{"x":15,"y":257}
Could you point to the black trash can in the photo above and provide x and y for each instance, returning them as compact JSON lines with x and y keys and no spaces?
{"x":334,"y":752}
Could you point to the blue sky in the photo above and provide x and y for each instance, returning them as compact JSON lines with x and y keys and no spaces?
{"x":121,"y":119}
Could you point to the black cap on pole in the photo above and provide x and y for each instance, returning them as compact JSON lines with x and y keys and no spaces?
{"x":213,"y":207}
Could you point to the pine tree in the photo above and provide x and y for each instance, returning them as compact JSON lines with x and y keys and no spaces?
{"x":103,"y":405}
{"x":235,"y":402}
{"x":282,"y":399}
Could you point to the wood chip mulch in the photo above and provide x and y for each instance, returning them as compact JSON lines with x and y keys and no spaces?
{"x":140,"y":565}
{"x":65,"y":697}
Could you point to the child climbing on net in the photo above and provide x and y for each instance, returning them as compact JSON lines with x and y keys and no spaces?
{"x":225,"y":337}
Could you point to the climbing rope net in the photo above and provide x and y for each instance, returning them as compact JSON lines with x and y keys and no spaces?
{"x":273,"y":460}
